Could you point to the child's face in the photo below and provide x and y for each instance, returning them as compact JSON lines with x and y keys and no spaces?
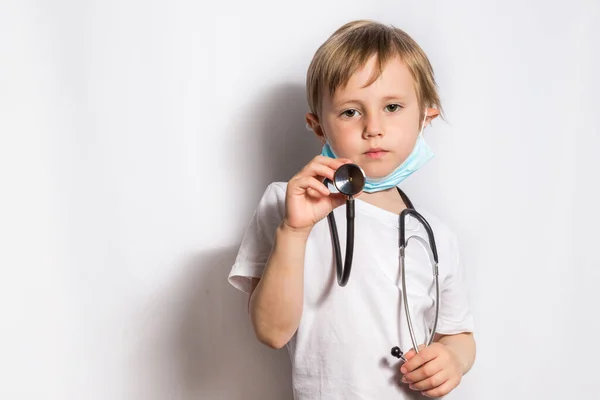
{"x":375,"y":126}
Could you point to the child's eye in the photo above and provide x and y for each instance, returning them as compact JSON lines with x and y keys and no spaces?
{"x":350,"y":113}
{"x":393,"y":107}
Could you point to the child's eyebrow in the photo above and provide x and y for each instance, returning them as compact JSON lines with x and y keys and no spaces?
{"x":397,"y":97}
{"x":343,"y":103}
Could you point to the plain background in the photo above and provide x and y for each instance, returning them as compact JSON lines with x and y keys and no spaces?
{"x":138,"y":136}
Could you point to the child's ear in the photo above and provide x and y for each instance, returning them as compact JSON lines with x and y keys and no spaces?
{"x":432,"y":113}
{"x":312,"y":122}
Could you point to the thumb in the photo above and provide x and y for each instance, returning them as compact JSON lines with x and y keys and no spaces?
{"x":411,"y":353}
{"x":337,"y":199}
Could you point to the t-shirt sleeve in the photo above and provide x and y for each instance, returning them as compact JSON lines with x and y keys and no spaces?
{"x":455,"y":314}
{"x":257,"y":243}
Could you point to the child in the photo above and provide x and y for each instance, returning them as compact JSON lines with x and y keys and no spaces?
{"x":371,"y":92}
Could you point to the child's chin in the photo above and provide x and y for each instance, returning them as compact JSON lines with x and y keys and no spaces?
{"x":377,"y":173}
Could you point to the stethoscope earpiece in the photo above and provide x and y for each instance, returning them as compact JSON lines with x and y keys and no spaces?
{"x":396,"y":352}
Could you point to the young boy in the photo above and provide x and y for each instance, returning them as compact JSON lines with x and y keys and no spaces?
{"x":371,"y":92}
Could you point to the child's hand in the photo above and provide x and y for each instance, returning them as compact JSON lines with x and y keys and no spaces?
{"x":434,"y":371}
{"x":307,"y":199}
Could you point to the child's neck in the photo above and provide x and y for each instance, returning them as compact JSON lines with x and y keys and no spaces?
{"x":388,"y":200}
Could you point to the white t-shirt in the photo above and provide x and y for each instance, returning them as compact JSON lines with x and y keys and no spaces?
{"x":341,"y":349}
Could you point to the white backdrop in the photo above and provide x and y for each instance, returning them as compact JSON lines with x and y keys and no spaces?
{"x":138,"y":136}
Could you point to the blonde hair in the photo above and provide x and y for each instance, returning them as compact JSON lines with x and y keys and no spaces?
{"x":351,"y":46}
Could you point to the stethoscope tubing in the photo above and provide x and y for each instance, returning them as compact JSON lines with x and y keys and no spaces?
{"x":343,"y":273}
{"x":343,"y":269}
{"x":405,"y":294}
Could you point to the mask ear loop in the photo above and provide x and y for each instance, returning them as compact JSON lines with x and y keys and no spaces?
{"x":423,"y":123}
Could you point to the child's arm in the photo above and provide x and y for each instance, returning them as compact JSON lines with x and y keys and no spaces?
{"x":276,"y":302}
{"x":463,"y":346}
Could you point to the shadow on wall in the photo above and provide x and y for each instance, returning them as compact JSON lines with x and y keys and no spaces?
{"x":279,"y":144}
{"x":288,"y":144}
{"x":217,"y":352}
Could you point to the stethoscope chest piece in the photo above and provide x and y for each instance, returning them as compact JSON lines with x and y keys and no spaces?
{"x":349,"y":179}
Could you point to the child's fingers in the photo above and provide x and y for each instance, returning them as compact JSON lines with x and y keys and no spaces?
{"x":313,"y":193}
{"x":312,"y":186}
{"x":430,"y":383}
{"x":335,"y":163}
{"x":416,"y":361}
{"x":337,"y":199}
{"x":345,"y":161}
{"x":321,"y":166}
{"x":441,"y":390}
{"x":317,"y":170}
{"x":424,"y":372}
{"x":411,"y":353}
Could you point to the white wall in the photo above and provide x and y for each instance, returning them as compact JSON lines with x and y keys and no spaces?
{"x":138,"y":136}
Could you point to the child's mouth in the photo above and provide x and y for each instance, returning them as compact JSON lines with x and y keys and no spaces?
{"x":376,"y":153}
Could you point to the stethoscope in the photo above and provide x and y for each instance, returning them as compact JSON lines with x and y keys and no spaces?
{"x":349,"y":180}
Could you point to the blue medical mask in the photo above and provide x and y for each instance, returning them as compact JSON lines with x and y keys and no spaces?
{"x":419,"y":156}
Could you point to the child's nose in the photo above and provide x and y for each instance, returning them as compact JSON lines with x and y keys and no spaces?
{"x":373,"y":127}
